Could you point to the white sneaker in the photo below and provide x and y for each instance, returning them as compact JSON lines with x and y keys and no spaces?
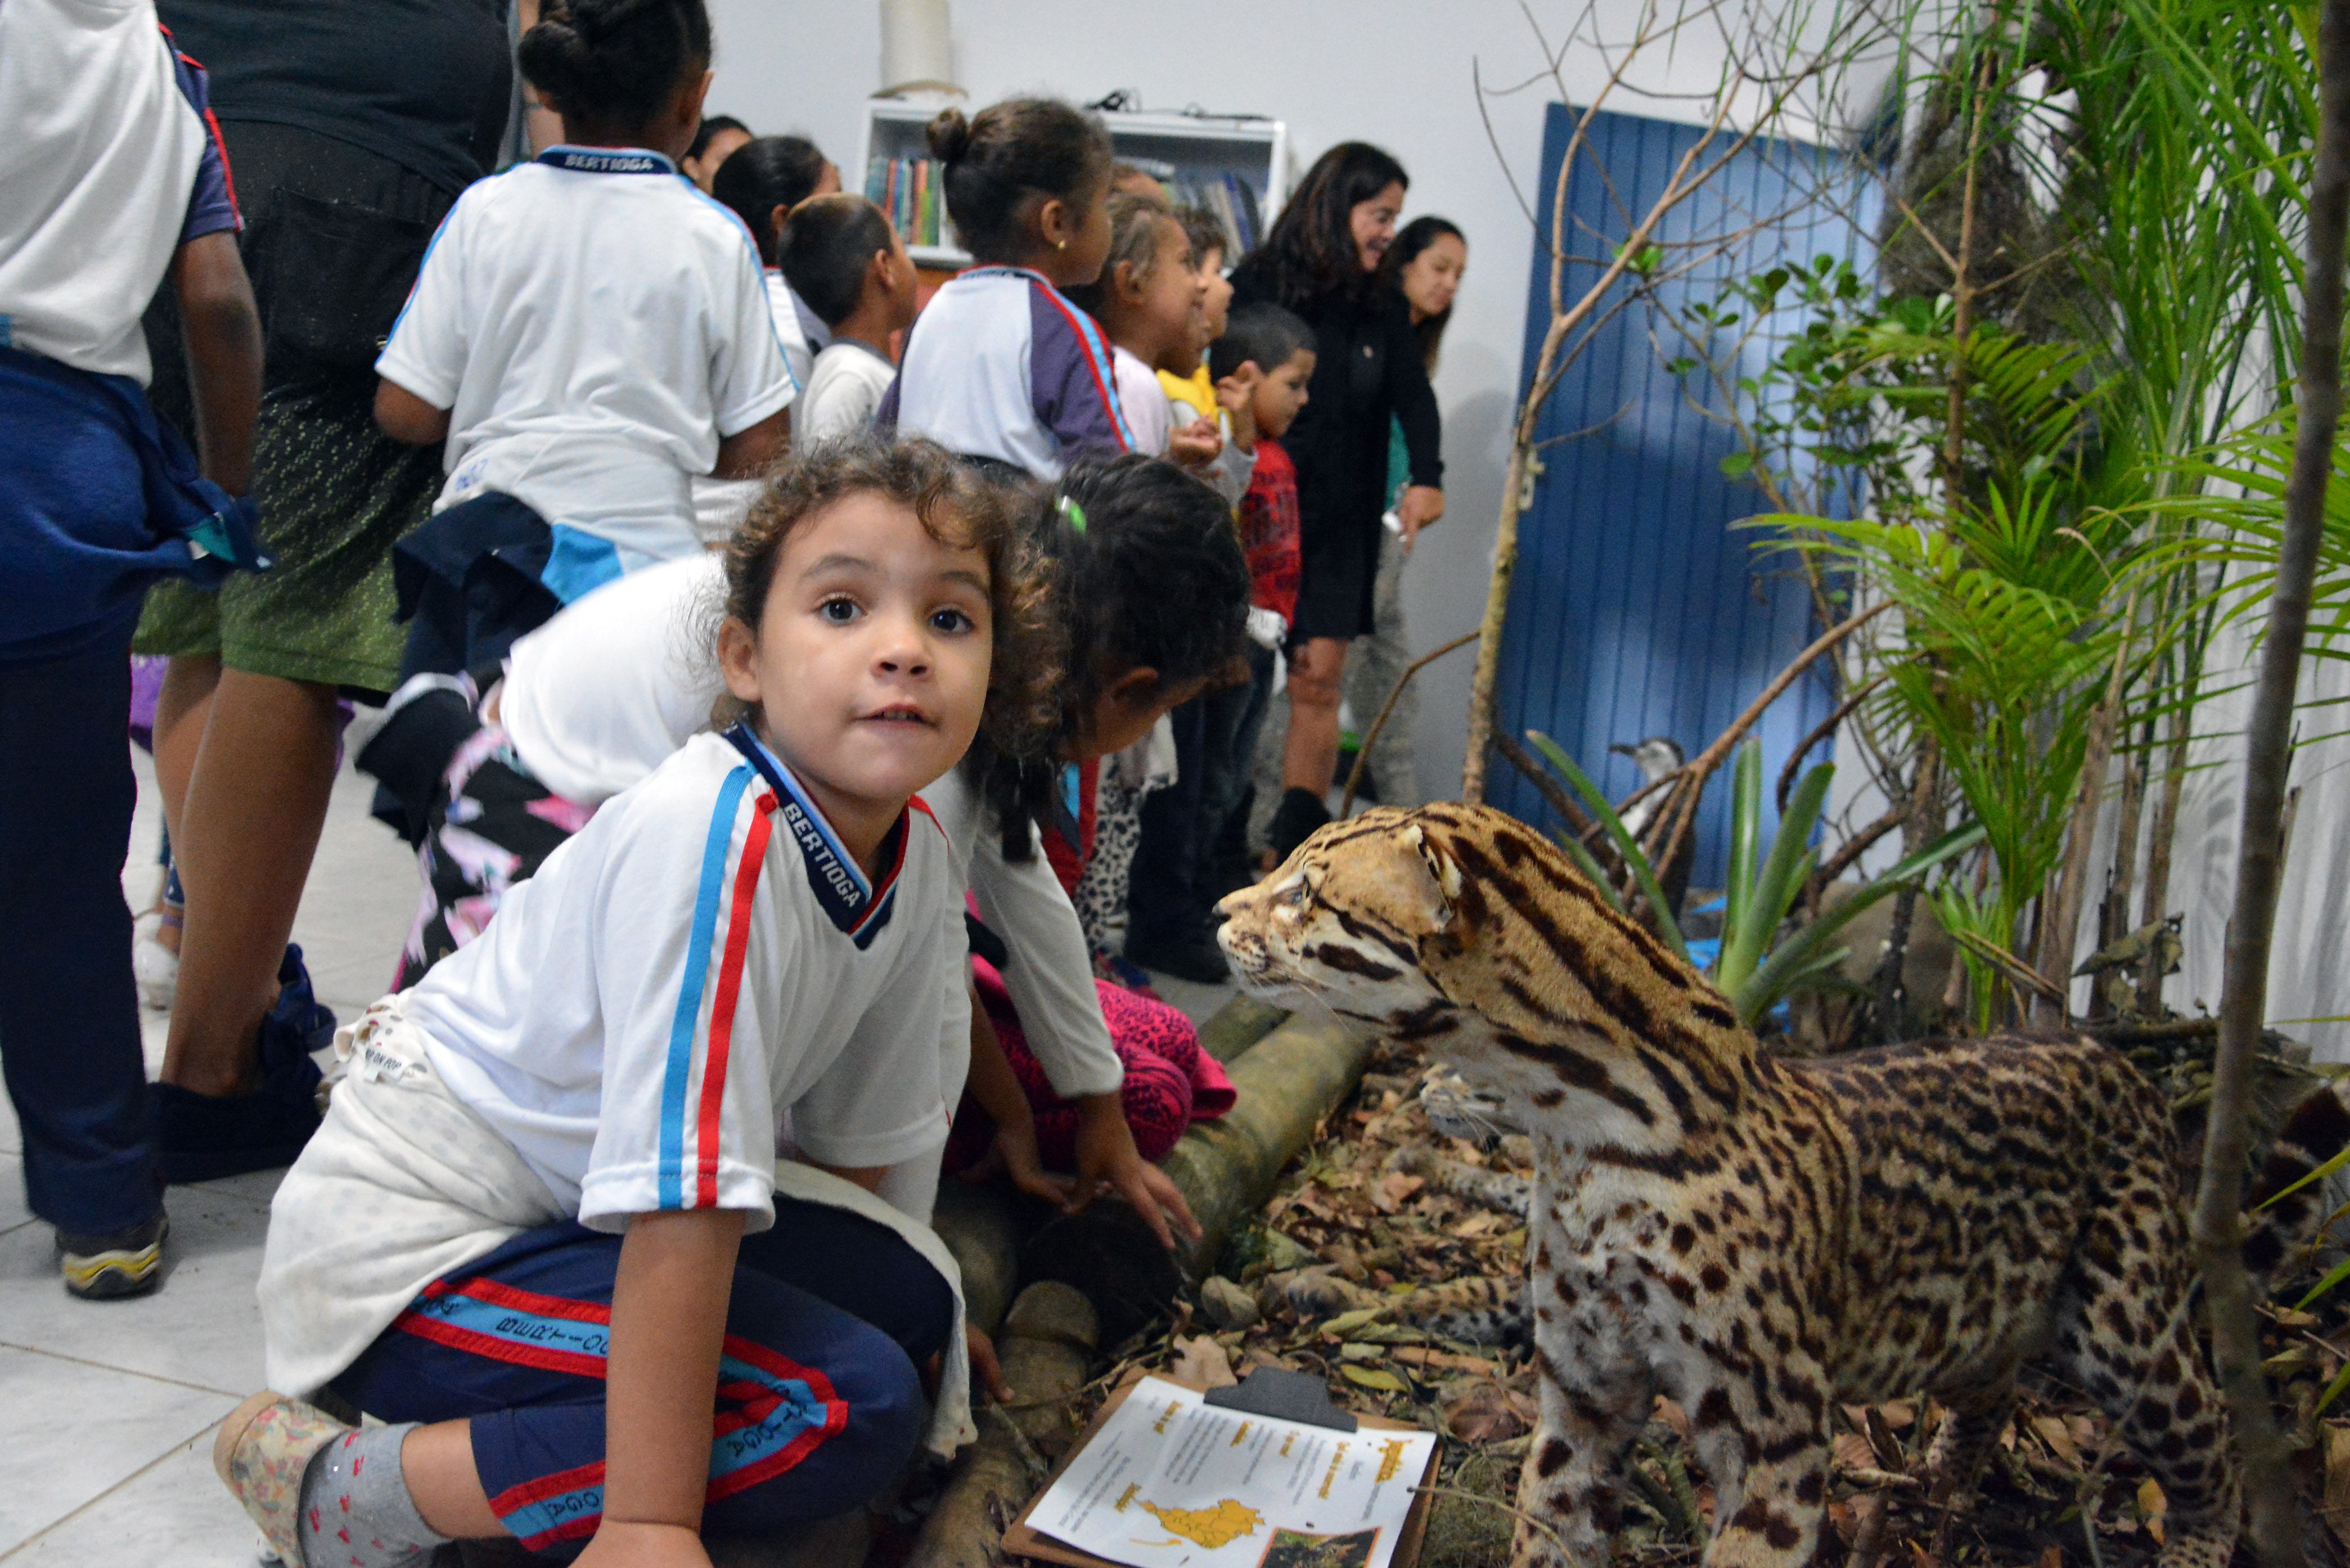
{"x":155,"y":966}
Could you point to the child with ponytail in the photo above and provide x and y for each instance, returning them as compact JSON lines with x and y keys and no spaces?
{"x":589,"y":332}
{"x":1002,"y":367}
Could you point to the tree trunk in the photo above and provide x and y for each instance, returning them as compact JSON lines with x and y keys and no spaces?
{"x":1481,"y":686}
{"x":2160,"y":841}
{"x":2269,"y":1484}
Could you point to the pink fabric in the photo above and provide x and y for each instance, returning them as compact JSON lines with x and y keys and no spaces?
{"x":1170,"y":1084}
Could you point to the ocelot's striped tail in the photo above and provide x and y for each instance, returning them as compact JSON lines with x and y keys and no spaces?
{"x":2276,"y":1236}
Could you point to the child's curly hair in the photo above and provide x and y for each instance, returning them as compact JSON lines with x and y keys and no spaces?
{"x":959,"y":508}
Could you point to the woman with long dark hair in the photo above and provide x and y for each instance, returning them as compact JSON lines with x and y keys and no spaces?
{"x":1322,"y":260}
{"x":1425,"y":265}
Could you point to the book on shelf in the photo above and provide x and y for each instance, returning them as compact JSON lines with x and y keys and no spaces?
{"x":911,"y":192}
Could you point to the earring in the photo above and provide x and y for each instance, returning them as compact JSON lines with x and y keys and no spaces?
{"x":1060,"y":244}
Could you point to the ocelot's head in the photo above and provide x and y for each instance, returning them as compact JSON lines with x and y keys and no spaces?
{"x":1463,"y":927}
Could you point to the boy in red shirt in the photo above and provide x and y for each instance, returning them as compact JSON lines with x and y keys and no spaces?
{"x":1270,"y":352}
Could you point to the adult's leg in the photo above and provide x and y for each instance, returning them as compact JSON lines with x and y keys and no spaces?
{"x":1165,"y":916}
{"x":815,"y":1412}
{"x":1374,"y":665}
{"x":1311,"y":761}
{"x":68,"y":1009}
{"x":255,"y":804}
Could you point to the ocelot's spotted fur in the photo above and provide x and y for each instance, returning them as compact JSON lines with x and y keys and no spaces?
{"x":1760,"y":1237}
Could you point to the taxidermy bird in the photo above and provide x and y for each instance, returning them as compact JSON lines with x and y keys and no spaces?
{"x":2119,"y":963}
{"x":1656,"y":757}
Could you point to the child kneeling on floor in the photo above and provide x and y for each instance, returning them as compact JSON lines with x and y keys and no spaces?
{"x":551,"y":1230}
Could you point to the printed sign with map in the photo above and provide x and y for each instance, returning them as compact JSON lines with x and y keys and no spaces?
{"x":1170,"y":1481}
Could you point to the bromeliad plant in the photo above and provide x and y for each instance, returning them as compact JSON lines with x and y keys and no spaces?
{"x":1768,"y":953}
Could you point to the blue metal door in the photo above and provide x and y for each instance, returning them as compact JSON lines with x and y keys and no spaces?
{"x":1637,"y":610}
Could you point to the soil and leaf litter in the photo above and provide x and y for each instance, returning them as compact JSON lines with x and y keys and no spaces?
{"x":1381,"y":1203}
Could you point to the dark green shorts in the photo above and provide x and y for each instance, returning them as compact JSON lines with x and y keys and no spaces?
{"x":337,"y":496}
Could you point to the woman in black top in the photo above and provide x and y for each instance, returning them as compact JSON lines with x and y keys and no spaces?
{"x":1322,"y":260}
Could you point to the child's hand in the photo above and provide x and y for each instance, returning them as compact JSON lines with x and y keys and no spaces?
{"x":1195,"y":445}
{"x":1106,"y":1159}
{"x":986,"y":1372}
{"x":1014,"y":1154}
{"x":619,"y":1544}
{"x":1236,"y":395}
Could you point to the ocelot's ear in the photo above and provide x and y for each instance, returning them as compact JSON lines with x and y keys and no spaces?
{"x":1441,"y":880}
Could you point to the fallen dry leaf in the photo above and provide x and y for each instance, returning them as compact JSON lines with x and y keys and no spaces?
{"x":1483,"y":1415}
{"x":2151,"y":1506}
{"x":1443,"y":1360}
{"x":1853,"y":1452}
{"x":1674,"y":1417}
{"x":2338,"y":1481}
{"x":2059,"y":1439}
{"x":1204,"y":1362}
{"x":1394,"y":1189}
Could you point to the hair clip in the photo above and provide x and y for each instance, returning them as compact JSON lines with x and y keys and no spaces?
{"x":1075,"y":514}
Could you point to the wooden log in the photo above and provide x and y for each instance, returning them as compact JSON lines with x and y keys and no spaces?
{"x":1237,"y":1026}
{"x":1225,"y":1168}
{"x":983,"y":1225}
{"x":1049,"y":1340}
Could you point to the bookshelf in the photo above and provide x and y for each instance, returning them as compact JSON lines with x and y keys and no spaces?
{"x":1239,"y":168}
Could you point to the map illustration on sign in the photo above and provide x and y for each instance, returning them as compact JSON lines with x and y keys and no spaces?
{"x":1170,"y":1481}
{"x":1212,"y":1528}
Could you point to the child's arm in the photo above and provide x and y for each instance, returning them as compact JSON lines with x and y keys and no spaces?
{"x":746,"y":454}
{"x":220,"y":328}
{"x":405,"y":417}
{"x":999,"y":1094}
{"x":669,"y":1318}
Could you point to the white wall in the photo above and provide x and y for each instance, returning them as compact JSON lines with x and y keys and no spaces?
{"x":1389,"y":71}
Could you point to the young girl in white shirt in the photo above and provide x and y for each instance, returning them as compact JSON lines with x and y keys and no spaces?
{"x":1002,"y":367}
{"x":589,"y":332}
{"x":590,"y":1220}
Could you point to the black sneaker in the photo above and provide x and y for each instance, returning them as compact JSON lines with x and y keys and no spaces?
{"x":1295,"y":820}
{"x":203,"y":1137}
{"x":1196,"y":958}
{"x":121,"y":1263}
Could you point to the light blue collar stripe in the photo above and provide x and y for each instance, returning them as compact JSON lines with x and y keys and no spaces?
{"x":679,"y":1068}
{"x":815,"y":818}
{"x":607,"y":160}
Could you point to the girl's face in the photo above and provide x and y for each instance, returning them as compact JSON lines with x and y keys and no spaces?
{"x":1076,"y":238}
{"x":1215,"y":299}
{"x":1125,"y":712}
{"x":869,"y":668}
{"x":1159,"y":316}
{"x":1432,"y":277}
{"x":1372,"y":224}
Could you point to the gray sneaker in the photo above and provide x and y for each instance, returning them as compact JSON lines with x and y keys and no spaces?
{"x":122,"y":1264}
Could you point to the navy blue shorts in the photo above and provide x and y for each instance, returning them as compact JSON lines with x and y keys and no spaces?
{"x":817,"y":1407}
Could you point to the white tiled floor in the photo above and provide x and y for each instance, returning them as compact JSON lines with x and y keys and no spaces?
{"x":107,"y":1409}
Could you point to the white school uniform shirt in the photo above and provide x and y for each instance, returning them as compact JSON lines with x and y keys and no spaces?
{"x":700,"y":967}
{"x":843,"y":395}
{"x":1002,"y":364}
{"x":98,"y":150}
{"x":1144,"y":401}
{"x":718,"y":504}
{"x":594,"y":324}
{"x":600,"y":696}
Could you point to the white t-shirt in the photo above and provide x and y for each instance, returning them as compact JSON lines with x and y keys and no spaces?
{"x":603,"y":693}
{"x":594,"y":324}
{"x":1144,"y":400}
{"x":699,"y":963}
{"x":718,"y":504}
{"x":98,"y":153}
{"x":843,"y":393}
{"x":599,"y":696}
